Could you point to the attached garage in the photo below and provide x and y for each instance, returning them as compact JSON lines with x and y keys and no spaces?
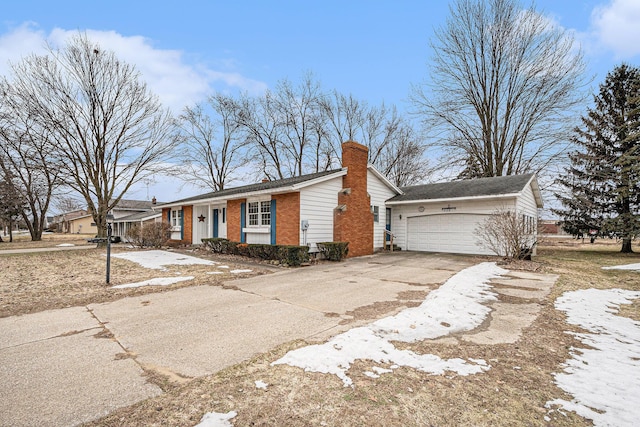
{"x":452,"y":233}
{"x":443,"y":217}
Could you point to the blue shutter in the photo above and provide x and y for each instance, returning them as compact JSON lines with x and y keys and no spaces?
{"x":181,"y":224}
{"x":215,"y":223}
{"x":273,"y":222}
{"x":243,"y":221}
{"x":169,"y":216}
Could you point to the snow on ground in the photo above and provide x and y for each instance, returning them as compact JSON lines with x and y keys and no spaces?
{"x":456,"y":306}
{"x":261,"y":384}
{"x":635,"y":267}
{"x":604,"y":378}
{"x":215,"y":419}
{"x":240,"y":271}
{"x":159,"y":281}
{"x":65,"y":245}
{"x":158,"y":259}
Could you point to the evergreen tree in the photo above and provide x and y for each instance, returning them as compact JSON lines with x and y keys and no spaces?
{"x":603,"y":181}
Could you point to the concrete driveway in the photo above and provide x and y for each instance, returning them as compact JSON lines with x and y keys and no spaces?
{"x":68,"y":366}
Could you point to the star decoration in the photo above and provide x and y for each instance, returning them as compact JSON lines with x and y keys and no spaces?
{"x":201,"y":218}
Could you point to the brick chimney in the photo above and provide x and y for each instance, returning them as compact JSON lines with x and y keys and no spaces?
{"x":352,"y":219}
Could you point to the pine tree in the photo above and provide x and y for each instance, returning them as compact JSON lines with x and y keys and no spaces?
{"x":603,"y":181}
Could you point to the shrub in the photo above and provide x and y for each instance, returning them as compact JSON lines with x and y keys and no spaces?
{"x":290,"y":255}
{"x":153,"y":235}
{"x":334,"y":251}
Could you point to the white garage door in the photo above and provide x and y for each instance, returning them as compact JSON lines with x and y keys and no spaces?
{"x":453,"y":233}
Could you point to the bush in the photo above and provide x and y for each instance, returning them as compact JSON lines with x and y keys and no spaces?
{"x":290,"y":255}
{"x":153,"y":235}
{"x":334,"y":251}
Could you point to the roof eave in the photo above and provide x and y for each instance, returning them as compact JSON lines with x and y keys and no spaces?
{"x":449,"y":199}
{"x":277,"y":190}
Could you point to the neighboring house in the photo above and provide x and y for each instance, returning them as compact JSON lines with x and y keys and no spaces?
{"x":81,"y":221}
{"x":356,"y":204}
{"x":75,"y":222}
{"x":82,"y":224}
{"x":133,"y":212}
{"x":122,"y":225}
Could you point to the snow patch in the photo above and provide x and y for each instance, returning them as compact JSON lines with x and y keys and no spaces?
{"x":456,"y":306}
{"x":603,"y":377}
{"x":158,"y":281}
{"x":633,"y":267}
{"x":65,"y":245}
{"x":158,"y":259}
{"x":240,"y":271}
{"x":261,"y":385}
{"x":215,"y":419}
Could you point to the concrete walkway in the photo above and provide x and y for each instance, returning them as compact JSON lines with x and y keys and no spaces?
{"x":65,"y":367}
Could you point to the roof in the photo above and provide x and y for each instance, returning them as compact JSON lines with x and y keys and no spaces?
{"x":471,"y":188}
{"x":134,"y":204}
{"x":259,"y":187}
{"x":138,"y":216}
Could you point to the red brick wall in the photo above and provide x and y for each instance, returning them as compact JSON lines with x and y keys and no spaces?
{"x":165,"y":214}
{"x":287,"y":218}
{"x":187,"y":221}
{"x":233,"y":219}
{"x":355,"y":223}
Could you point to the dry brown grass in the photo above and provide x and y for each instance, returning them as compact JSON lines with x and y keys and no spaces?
{"x":512,"y":393}
{"x":23,"y":241}
{"x":32,"y":282}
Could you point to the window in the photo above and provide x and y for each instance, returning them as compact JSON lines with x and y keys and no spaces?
{"x":259,"y":213}
{"x":528,"y":224}
{"x":375,"y":210}
{"x":265,"y":212}
{"x":176,"y":218}
{"x":252,"y":209}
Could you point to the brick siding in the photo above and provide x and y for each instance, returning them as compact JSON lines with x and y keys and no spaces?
{"x":287,"y":218}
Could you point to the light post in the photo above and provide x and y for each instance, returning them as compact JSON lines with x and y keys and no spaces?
{"x":109,"y":219}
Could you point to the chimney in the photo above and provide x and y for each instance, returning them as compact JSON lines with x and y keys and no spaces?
{"x":353,"y":223}
{"x":265,"y":180}
{"x":153,"y":201}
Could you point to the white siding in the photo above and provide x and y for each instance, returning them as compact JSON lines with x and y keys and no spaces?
{"x":317,"y":203}
{"x":399,"y":225}
{"x":200,"y":228}
{"x":526,"y":205}
{"x":379,"y":193}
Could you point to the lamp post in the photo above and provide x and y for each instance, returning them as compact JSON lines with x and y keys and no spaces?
{"x":109,"y":219}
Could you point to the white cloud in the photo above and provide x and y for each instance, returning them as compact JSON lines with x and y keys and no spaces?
{"x":168,"y":74}
{"x":617,"y":27}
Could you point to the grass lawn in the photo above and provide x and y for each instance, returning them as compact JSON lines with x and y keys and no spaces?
{"x":513,"y":392}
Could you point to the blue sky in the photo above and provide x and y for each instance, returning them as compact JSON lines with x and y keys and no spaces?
{"x":374,"y":50}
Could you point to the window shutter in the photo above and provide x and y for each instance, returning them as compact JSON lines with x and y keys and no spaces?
{"x":243,"y":221}
{"x":215,"y":223}
{"x":273,"y":222}
{"x":181,"y":224}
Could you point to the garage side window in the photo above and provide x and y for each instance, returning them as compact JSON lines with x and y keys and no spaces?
{"x":375,"y":210}
{"x":528,"y":224}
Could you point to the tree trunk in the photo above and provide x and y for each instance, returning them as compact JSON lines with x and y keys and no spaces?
{"x":626,"y":246}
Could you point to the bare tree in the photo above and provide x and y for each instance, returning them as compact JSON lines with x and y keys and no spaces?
{"x":262,"y":120}
{"x":299,"y":113}
{"x":12,"y":205}
{"x":212,"y":143}
{"x":507,"y":233}
{"x":504,"y":83}
{"x":109,"y":130}
{"x":24,"y":148}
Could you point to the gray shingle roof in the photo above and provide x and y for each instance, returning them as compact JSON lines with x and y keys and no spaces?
{"x":261,"y":186}
{"x":137,"y":216}
{"x":494,"y":186}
